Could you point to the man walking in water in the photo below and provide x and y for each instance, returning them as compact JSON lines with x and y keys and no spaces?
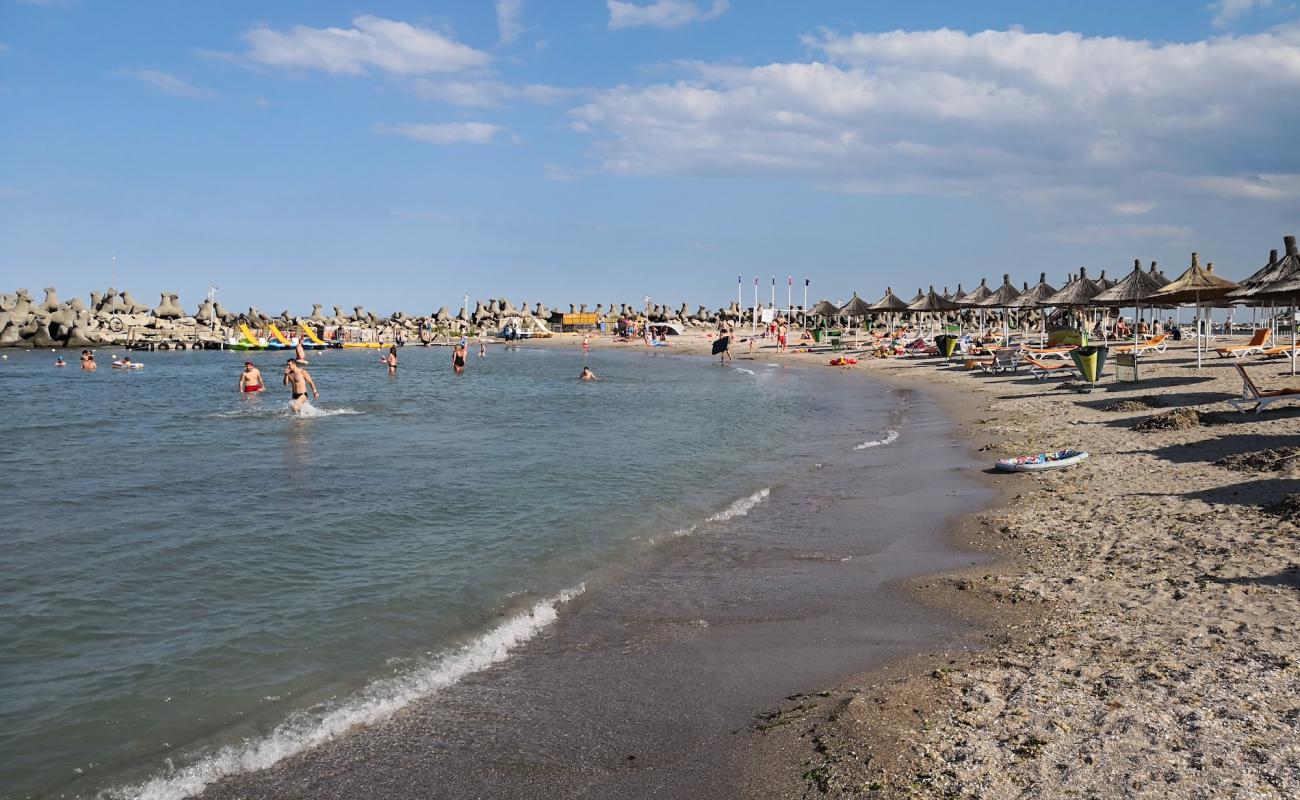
{"x":298,"y":379}
{"x":250,"y":380}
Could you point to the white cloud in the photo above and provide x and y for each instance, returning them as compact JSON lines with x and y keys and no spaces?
{"x":949,"y":112}
{"x":442,"y":132}
{"x":662,"y":13}
{"x":168,"y":84}
{"x":510,"y":19}
{"x":1132,"y":209}
{"x":1101,"y":234}
{"x":395,"y":47}
{"x":1250,"y":187}
{"x":554,"y":172}
{"x":483,"y":93}
{"x":261,"y":102}
{"x":1227,"y":11}
{"x":49,"y":3}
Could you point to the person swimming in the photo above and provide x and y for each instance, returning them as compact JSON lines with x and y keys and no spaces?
{"x":59,"y":362}
{"x":587,"y":375}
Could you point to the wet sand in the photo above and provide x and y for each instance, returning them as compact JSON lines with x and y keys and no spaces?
{"x":657,"y":681}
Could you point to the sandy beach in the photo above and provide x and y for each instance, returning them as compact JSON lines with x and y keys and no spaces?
{"x":1141,"y":617}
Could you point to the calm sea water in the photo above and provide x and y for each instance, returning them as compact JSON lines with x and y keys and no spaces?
{"x":194,"y":583}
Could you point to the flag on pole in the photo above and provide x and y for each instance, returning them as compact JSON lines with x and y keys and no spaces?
{"x":755,"y":281}
{"x":790,"y":280}
{"x":807,"y":282}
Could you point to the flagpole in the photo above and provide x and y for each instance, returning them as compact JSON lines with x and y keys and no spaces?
{"x":789,"y":296}
{"x":753,"y":318}
{"x":739,"y":299}
{"x":805,"y":301}
{"x":774,"y":291}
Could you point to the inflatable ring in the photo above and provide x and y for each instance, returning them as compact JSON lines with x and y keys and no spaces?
{"x":116,"y":324}
{"x":162,"y":346}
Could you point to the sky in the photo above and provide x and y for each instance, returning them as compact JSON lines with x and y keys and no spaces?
{"x":402,"y":154}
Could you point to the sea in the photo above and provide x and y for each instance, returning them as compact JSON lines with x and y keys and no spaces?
{"x":196,"y":584}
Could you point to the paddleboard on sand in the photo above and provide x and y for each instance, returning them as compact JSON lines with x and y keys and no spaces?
{"x":1042,"y":462}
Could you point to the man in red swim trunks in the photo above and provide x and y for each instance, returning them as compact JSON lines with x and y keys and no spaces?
{"x":250,"y":380}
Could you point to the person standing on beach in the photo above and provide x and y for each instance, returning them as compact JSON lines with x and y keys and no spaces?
{"x":250,"y":380}
{"x":782,"y":331}
{"x":586,"y":343}
{"x":458,"y":354}
{"x":298,"y":379}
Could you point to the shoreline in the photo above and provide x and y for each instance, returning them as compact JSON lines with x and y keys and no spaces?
{"x":716,"y":764}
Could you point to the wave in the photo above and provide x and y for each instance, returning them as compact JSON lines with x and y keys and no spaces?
{"x":742,"y":369}
{"x":304,"y":730}
{"x":741,"y":507}
{"x":310,"y":411}
{"x":890,"y":437}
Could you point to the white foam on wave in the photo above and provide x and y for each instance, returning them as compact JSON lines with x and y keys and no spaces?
{"x":742,"y":369}
{"x":378,"y":701}
{"x":890,"y":437}
{"x":310,"y":411}
{"x":741,"y":507}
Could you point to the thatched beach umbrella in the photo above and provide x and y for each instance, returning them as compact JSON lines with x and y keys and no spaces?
{"x":889,"y":303}
{"x":1030,"y":299}
{"x":1283,"y":284}
{"x":825,"y":309}
{"x":932,"y":303}
{"x":1133,"y":290}
{"x":978,"y":296}
{"x":958,"y":296}
{"x":1195,"y":285}
{"x":1076,"y":294}
{"x":1004,"y":294}
{"x":855,"y":308}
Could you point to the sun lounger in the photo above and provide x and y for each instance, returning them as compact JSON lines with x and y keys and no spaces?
{"x":1041,"y":369}
{"x":1004,"y":360}
{"x":1277,"y":351}
{"x":1250,"y":393}
{"x":1156,"y":344}
{"x":1257,"y":344}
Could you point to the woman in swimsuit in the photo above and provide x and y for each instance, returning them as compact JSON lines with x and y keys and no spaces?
{"x":391,"y":360}
{"x":458,"y":358}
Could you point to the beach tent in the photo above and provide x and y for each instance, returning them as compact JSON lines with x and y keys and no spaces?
{"x":999,"y":298}
{"x":1283,"y":284}
{"x":1196,"y":285}
{"x":1133,"y":290}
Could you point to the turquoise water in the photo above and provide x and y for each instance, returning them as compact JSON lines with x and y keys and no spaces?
{"x":196,"y":583}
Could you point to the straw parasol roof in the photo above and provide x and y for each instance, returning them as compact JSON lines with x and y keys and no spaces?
{"x":857,"y":307}
{"x":1031,"y":297}
{"x":1104,"y":282}
{"x":1078,"y":292}
{"x":1004,"y":295}
{"x":978,"y":296}
{"x":1271,"y":275}
{"x":824,"y":309}
{"x":1285,"y":276}
{"x":1195,"y":285}
{"x":958,"y":296}
{"x":890,"y":302}
{"x":932,"y":301}
{"x":1133,"y":289}
{"x":920,"y":295}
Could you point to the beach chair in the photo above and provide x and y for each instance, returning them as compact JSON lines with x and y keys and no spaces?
{"x":1250,"y":393}
{"x":1156,"y":344}
{"x":1041,"y":369}
{"x":1257,"y":344}
{"x":1277,"y":351}
{"x":1004,"y":360}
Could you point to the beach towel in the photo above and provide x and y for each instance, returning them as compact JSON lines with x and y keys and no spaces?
{"x":723,"y":343}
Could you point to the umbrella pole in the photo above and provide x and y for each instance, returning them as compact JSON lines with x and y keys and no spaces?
{"x":1293,"y":341}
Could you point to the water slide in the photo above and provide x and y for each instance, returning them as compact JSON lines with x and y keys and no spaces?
{"x":280,"y":337}
{"x":249,"y":338}
{"x":311,"y":334}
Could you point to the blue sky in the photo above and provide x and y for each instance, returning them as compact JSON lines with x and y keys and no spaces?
{"x":401,"y":154}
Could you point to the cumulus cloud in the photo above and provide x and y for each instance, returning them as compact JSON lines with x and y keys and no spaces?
{"x":662,"y":13}
{"x":483,"y":93}
{"x":398,"y":48}
{"x":168,"y":84}
{"x":1132,"y":209}
{"x":1227,"y":11}
{"x":950,"y":112}
{"x":510,"y":19}
{"x":442,"y":132}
